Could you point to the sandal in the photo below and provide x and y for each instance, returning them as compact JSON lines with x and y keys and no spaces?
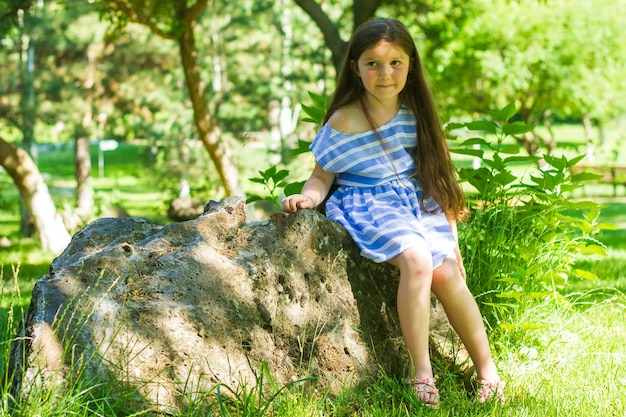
{"x":490,"y":391}
{"x":427,"y":392}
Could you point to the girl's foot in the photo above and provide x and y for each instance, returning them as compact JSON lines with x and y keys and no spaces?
{"x":427,"y":392}
{"x":490,"y":391}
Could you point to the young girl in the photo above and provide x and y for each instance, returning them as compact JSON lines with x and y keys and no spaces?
{"x":398,"y":197}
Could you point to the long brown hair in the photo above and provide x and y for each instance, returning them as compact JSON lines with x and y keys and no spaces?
{"x":435,"y":170}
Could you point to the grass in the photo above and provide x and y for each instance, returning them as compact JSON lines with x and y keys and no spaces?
{"x":572,"y":365}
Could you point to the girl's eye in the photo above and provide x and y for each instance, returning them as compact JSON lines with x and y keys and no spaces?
{"x":372,"y":64}
{"x":396,"y":63}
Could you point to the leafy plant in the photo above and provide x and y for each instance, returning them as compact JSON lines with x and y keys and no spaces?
{"x":273,"y":182}
{"x":316,"y":112}
{"x":524,"y":233}
{"x":273,"y":179}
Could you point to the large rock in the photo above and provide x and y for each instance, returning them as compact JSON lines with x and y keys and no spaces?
{"x":211,"y":300}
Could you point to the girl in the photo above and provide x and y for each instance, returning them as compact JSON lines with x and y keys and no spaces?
{"x":398,"y":197}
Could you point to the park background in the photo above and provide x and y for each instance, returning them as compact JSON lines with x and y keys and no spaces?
{"x":121,"y":106}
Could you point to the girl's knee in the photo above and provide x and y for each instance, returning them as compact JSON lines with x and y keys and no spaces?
{"x":447,"y":276}
{"x":413,"y":257}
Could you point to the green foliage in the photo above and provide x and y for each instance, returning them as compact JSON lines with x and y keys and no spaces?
{"x":274,"y":179}
{"x":316,"y":112}
{"x":547,"y":57}
{"x":524,"y":234}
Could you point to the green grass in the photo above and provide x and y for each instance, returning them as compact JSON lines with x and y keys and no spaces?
{"x":574,"y":364}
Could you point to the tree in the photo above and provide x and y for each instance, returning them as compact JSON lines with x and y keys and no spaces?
{"x":561,"y":58}
{"x":362,"y":10}
{"x":176,"y":20}
{"x":48,"y":223}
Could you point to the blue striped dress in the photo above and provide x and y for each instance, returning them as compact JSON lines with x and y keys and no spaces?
{"x":377,"y":201}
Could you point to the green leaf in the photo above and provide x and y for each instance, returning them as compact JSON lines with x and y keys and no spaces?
{"x":319,"y":100}
{"x":506,"y":326}
{"x":270,"y":199}
{"x":257,"y":180}
{"x":302,"y":147}
{"x":268,"y":173}
{"x":317,"y":111}
{"x":593,"y":250}
{"x":483,"y":126}
{"x":454,"y":125}
{"x":496,"y":162}
{"x":507,"y":149}
{"x":586,"y":274}
{"x":510,"y":294}
{"x":316,"y":115}
{"x":522,"y":159}
{"x":533,"y":326}
{"x":569,"y":187}
{"x":504,"y":178}
{"x":533,"y":268}
{"x":473,"y":152}
{"x":475,"y":141}
{"x":280,"y":175}
{"x":582,"y":205}
{"x":505,"y":113}
{"x":517,"y":128}
{"x":586,"y":176}
{"x":575,"y":160}
{"x":607,"y":226}
{"x":294,"y":188}
{"x":592,"y":214}
{"x":557,"y":162}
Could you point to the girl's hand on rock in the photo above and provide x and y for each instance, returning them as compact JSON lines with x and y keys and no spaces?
{"x":294,"y":202}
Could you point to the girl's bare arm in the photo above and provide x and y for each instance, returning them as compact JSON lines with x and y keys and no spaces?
{"x":313,"y":193}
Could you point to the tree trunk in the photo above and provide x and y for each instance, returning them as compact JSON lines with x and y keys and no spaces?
{"x":335,"y":44}
{"x":84,"y":190}
{"x":27,"y":99}
{"x":82,"y":159}
{"x":182,"y":31}
{"x":49,"y":226}
{"x":208,"y":131}
{"x":27,"y":108}
{"x":362,"y":11}
{"x":589,"y":145}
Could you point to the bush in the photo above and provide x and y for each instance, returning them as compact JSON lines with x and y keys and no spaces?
{"x":524,"y":233}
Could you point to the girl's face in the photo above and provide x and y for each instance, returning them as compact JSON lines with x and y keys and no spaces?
{"x":383,"y":69}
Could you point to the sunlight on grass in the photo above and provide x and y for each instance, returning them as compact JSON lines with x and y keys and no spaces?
{"x":577,"y":368}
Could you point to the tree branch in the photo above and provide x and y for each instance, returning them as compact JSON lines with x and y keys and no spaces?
{"x":329,"y":30}
{"x":130,"y":11}
{"x":192,"y":13}
{"x":363,"y":10}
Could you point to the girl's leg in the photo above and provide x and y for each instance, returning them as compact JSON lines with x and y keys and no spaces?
{"x":464,"y":315}
{"x":414,"y":289}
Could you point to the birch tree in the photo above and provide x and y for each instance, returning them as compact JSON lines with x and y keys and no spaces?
{"x":49,"y":226}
